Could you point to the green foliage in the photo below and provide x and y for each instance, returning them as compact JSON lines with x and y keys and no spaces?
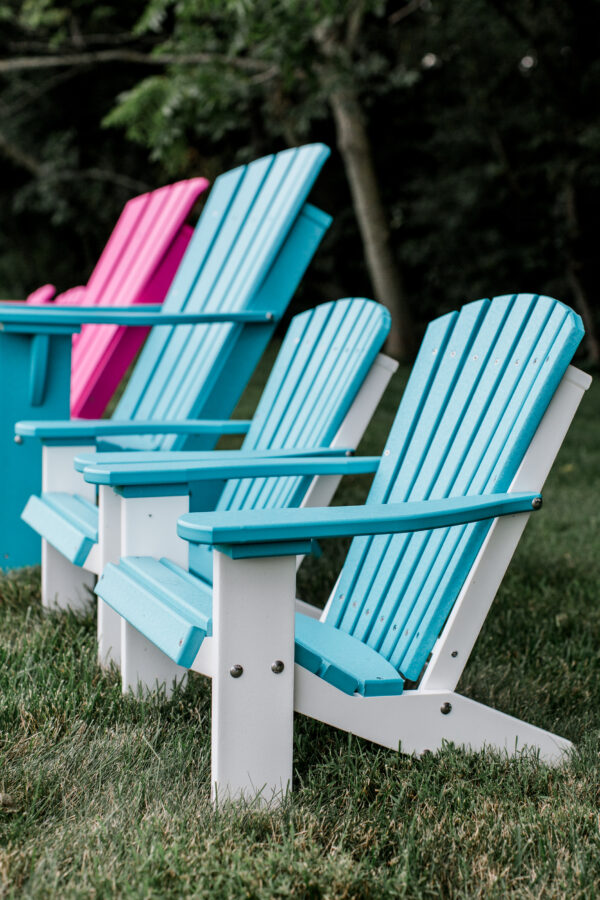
{"x":261,"y":71}
{"x":62,"y":181}
{"x":481,"y":117}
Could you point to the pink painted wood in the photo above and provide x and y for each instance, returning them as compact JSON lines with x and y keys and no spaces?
{"x":43,"y":294}
{"x":136,"y":266}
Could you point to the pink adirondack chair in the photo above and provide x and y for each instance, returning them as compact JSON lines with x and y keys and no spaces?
{"x":136,"y":266}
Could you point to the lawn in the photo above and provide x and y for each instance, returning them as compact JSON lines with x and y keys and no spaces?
{"x":104,"y":796}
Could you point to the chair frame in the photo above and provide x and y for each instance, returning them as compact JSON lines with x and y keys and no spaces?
{"x":132,"y":526}
{"x":252,"y":716}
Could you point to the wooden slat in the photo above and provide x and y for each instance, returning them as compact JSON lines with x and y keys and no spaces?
{"x":144,"y":238}
{"x":180,"y":370}
{"x":487,"y":387}
{"x":394,"y":482}
{"x":271,"y":215}
{"x":149,"y":363}
{"x":447,"y":443}
{"x":443,"y":586}
{"x":481,"y":440}
{"x":67,"y":521}
{"x":323,"y":361}
{"x":170,"y":607}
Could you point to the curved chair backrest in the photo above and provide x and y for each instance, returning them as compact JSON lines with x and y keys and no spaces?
{"x":136,"y":266}
{"x":250,"y":248}
{"x":325,"y":357}
{"x":481,"y":383}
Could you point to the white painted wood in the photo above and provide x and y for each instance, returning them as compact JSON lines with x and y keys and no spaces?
{"x":414,"y":722}
{"x":109,"y":551}
{"x":458,"y":637}
{"x":59,"y":474}
{"x":148,"y":529}
{"x":92,"y":560}
{"x":252,"y":716}
{"x":64,"y":585}
{"x":307,"y":609}
{"x":205,"y":658}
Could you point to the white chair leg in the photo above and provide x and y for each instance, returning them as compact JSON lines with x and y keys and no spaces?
{"x":145,"y":668}
{"x":148,"y":528}
{"x":109,"y":635}
{"x":64,"y":586}
{"x":253,"y":678}
{"x":109,"y":551}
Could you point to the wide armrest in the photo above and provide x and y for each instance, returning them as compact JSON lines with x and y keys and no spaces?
{"x":73,"y":430}
{"x":276,"y":527}
{"x":135,"y":457}
{"x":140,"y":315}
{"x":211,"y":469}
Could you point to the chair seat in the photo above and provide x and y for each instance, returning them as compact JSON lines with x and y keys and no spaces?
{"x":345,"y":662}
{"x":170,"y":607}
{"x":67,"y":521}
{"x":173,"y":609}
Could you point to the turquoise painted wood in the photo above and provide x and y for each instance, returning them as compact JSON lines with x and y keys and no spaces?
{"x":480,"y":386}
{"x":126,"y":460}
{"x":238,"y":465}
{"x":168,"y":606}
{"x":250,"y":248}
{"x":19,"y":315}
{"x":21,"y":463}
{"x":255,"y":526}
{"x":242,"y":267}
{"x":74,"y":432}
{"x":336,"y":341}
{"x":70,"y":519}
{"x":320,"y":380}
{"x":473,"y":427}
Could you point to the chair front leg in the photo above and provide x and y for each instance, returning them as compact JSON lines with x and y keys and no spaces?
{"x":64,"y":585}
{"x":253,"y":678}
{"x":109,"y":542}
{"x":148,"y":529}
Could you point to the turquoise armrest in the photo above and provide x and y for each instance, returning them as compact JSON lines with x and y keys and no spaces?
{"x":135,"y":457}
{"x":221,"y":469}
{"x":12,"y":318}
{"x":273,"y":528}
{"x":77,"y":429}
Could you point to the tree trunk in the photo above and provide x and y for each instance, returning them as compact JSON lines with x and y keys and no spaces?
{"x":355,"y":149}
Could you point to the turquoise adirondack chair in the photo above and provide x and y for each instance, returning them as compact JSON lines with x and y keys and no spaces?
{"x":486,"y":408}
{"x":136,"y":266}
{"x":319,"y":398}
{"x":250,"y":248}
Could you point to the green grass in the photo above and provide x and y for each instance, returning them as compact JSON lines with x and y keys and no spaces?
{"x":106,"y":796}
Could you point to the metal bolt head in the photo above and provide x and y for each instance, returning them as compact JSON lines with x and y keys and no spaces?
{"x":277,"y":666}
{"x":18,"y":439}
{"x":454,"y":654}
{"x":446,"y":708}
{"x":236,"y":671}
{"x":536,"y":503}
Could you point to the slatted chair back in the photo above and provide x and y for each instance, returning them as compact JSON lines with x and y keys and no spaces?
{"x":249,"y":250}
{"x":41,"y":295}
{"x":324,"y":358}
{"x":136,"y":266}
{"x":481,"y":383}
